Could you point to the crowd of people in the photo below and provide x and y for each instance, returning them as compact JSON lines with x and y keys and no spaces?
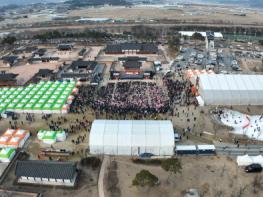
{"x":140,"y":97}
{"x":84,"y":99}
{"x":179,"y":92}
{"x":133,"y":96}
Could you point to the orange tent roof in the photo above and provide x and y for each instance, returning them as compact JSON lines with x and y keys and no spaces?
{"x":20,"y":133}
{"x":14,"y":141}
{"x":4,"y":140}
{"x":9,"y":132}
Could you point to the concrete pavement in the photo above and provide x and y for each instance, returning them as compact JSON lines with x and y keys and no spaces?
{"x":104,"y":165}
{"x":234,"y":150}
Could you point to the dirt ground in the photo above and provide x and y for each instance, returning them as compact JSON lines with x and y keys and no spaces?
{"x":220,"y":14}
{"x":86,"y":185}
{"x":191,"y":13}
{"x":210,"y":175}
{"x":92,"y":53}
{"x":34,"y":145}
{"x":252,"y":65}
{"x":27,"y":71}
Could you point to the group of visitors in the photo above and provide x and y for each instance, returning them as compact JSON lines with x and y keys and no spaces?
{"x":180,"y":92}
{"x":124,"y":97}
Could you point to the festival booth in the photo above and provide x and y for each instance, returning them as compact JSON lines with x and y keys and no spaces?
{"x":70,"y":99}
{"x":50,"y":137}
{"x":14,"y":138}
{"x":46,"y":109}
{"x":41,"y":134}
{"x":38,"y":108}
{"x":57,"y":108}
{"x":65,"y":109}
{"x":79,"y":83}
{"x":7,"y":154}
{"x":61,"y":136}
{"x":9,"y":132}
{"x":4,"y":140}
{"x":193,"y":74}
{"x":44,"y":97}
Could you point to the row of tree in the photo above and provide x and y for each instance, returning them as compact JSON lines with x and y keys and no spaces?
{"x":82,"y":3}
{"x":58,"y":34}
{"x":8,"y":40}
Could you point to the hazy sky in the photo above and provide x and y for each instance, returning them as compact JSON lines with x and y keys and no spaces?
{"x":250,"y":2}
{"x":6,"y":2}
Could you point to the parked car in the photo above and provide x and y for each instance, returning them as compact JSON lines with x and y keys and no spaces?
{"x":146,"y":155}
{"x":253,"y":168}
{"x":177,"y":137}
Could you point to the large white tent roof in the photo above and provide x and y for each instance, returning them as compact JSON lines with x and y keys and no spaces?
{"x":231,"y":82}
{"x":114,"y":134}
{"x":190,"y":33}
{"x":245,"y":160}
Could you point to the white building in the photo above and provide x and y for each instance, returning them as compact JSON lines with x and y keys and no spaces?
{"x":131,"y":137}
{"x":217,"y":35}
{"x":231,"y":89}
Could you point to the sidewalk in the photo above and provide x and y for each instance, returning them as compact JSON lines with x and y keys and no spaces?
{"x":104,"y":165}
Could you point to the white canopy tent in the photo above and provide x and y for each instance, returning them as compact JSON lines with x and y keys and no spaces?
{"x":191,"y":33}
{"x":131,"y":137}
{"x":246,"y":160}
{"x":231,"y":89}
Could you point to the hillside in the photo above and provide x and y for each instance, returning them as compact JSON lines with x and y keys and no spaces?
{"x":81,"y":3}
{"x":250,"y":3}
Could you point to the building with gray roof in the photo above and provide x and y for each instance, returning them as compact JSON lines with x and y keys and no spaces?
{"x":46,"y":172}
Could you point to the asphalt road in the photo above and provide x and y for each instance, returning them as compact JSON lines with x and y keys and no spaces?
{"x":234,"y":150}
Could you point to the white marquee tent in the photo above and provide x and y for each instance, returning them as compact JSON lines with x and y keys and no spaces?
{"x":246,"y":160}
{"x":191,"y":33}
{"x":131,"y":137}
{"x":231,"y":89}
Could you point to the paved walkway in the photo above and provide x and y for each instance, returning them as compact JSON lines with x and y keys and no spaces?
{"x":104,"y":165}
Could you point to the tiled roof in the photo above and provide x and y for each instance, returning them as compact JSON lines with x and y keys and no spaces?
{"x":46,"y":169}
{"x":8,"y":76}
{"x":89,"y":65}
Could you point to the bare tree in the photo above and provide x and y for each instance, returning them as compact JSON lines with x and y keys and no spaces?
{"x":204,"y":189}
{"x":257,"y":183}
{"x":242,"y":190}
{"x":223,"y":170}
{"x":219,"y":193}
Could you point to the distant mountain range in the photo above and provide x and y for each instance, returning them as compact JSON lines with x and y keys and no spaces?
{"x":81,"y":3}
{"x":25,"y":2}
{"x":249,"y":3}
{"x":72,"y":2}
